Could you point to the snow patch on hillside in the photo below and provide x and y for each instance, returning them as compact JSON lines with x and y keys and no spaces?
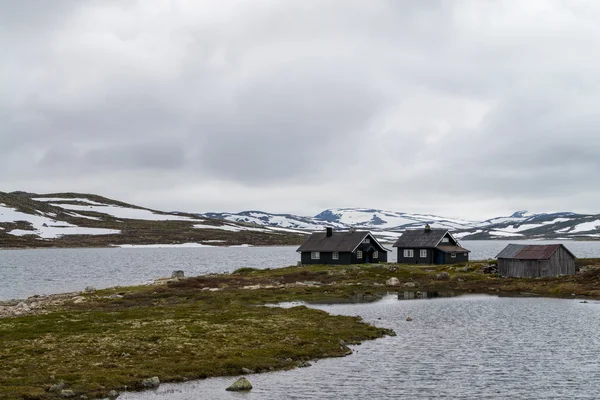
{"x":47,"y":228}
{"x":126,"y":212}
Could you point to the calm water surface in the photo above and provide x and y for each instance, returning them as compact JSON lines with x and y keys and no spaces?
{"x":473,"y":347}
{"x":27,"y":272}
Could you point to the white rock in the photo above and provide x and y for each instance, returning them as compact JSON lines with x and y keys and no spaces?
{"x":393,"y":282}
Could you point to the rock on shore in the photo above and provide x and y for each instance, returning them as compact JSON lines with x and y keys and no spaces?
{"x":241,"y":385}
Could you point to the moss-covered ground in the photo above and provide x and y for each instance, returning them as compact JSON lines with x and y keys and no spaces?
{"x":218,"y":325}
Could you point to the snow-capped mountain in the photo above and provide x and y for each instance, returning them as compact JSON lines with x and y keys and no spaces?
{"x":390,"y":224}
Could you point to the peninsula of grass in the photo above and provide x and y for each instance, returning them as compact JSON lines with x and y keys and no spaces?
{"x":219,"y":325}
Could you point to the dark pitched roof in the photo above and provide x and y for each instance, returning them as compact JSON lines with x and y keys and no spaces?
{"x":420,"y":238}
{"x":338,"y":241}
{"x":453,"y":249}
{"x":530,"y":252}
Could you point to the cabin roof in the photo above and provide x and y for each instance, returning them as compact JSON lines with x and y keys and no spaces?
{"x":453,"y":249}
{"x":530,"y":252}
{"x":421,"y":238}
{"x":338,"y":241}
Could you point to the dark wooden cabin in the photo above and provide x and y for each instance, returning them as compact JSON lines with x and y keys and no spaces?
{"x":429,"y":246}
{"x":353,"y":247}
{"x":534,"y":261}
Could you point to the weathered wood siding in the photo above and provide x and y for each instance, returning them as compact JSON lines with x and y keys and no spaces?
{"x":561,"y":263}
{"x":460,"y":258}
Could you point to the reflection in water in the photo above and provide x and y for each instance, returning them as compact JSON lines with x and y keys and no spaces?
{"x":414,"y":295}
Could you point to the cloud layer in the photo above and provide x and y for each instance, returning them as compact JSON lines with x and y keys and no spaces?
{"x":465,"y":108}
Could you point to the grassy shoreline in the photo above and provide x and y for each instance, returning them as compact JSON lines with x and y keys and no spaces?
{"x":217,"y":325}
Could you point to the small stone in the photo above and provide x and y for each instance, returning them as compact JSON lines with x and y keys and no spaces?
{"x":153,"y":382}
{"x":178,"y":274}
{"x":411,"y":284}
{"x":23,"y":306}
{"x":392,"y":282}
{"x":247,"y":371}
{"x":442,"y":276}
{"x":113,"y":394}
{"x":241,"y":385}
{"x":90,"y":289}
{"x":67,"y":393}
{"x":583,"y":302}
{"x":304,"y":364}
{"x":115,"y":296}
{"x":409,"y":319}
{"x":78,"y":299}
{"x":83,"y":397}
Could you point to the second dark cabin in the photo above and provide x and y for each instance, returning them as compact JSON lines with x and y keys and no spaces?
{"x":429,"y":246}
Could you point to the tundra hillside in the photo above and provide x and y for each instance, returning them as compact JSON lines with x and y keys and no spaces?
{"x":94,"y":342}
{"x":83,"y":220}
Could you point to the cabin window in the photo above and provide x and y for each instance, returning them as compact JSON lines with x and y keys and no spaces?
{"x":453,"y":255}
{"x":367,"y":240}
{"x":315,"y":255}
{"x":375,"y":254}
{"x":359,"y":254}
{"x":445,"y":240}
{"x":465,"y":254}
{"x":423,"y":253}
{"x":409,"y":253}
{"x":335,"y":255}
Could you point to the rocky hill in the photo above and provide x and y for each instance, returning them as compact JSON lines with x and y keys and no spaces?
{"x":84,"y":220}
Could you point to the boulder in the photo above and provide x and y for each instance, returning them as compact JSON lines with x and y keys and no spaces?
{"x":178,"y":274}
{"x":247,"y":371}
{"x":462,"y":269}
{"x":392,"y":282}
{"x":304,"y":364}
{"x":153,"y":382}
{"x":241,"y":385}
{"x":442,"y":276}
{"x":113,"y":394}
{"x":90,"y":289}
{"x":411,"y":284}
{"x":408,"y":318}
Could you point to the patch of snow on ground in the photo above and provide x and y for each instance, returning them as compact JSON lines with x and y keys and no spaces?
{"x":84,"y":216}
{"x":160,"y":246}
{"x":507,"y":234}
{"x":53,"y":232}
{"x":53,"y":199}
{"x":585,"y":226}
{"x":463,"y":234}
{"x":231,"y":228}
{"x":128,"y":213}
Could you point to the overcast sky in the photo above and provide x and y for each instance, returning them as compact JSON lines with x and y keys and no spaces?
{"x":458,"y":108}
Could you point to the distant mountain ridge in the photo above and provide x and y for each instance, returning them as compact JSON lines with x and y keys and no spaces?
{"x":389,"y":224}
{"x":79,"y":220}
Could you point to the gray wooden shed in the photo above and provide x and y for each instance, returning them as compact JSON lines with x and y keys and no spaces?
{"x":534,"y":261}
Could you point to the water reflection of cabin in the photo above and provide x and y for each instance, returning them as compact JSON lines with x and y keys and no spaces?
{"x":429,"y":246}
{"x":351,"y":247}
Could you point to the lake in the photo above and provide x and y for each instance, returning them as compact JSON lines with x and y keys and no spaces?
{"x":24,"y":273}
{"x":471,"y":347}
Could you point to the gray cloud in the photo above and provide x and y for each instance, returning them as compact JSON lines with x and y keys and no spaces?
{"x":467,"y":108}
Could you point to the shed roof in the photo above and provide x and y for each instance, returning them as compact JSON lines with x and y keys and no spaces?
{"x":338,"y":241}
{"x":421,"y":238}
{"x":530,"y":252}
